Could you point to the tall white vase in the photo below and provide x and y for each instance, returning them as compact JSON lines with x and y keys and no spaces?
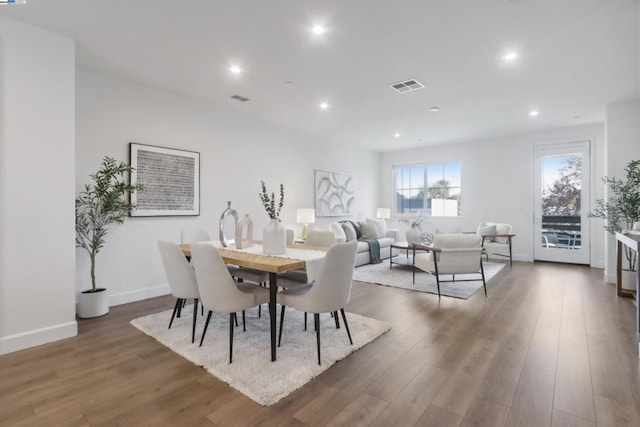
{"x":274,"y":238}
{"x":413,"y":235}
{"x":244,"y":232}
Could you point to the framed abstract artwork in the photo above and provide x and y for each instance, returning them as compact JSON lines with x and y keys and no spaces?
{"x":171,"y":180}
{"x":334,"y":193}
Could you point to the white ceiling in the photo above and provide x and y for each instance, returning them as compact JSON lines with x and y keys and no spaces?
{"x":576,"y":56}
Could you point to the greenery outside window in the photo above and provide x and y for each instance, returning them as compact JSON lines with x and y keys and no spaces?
{"x":431,"y":189}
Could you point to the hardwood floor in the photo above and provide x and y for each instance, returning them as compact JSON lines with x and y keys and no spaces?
{"x":551,"y":346}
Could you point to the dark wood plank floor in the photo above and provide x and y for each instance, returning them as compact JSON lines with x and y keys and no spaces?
{"x":551,"y":346}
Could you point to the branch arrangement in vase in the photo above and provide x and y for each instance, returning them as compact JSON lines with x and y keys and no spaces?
{"x":269,"y":201}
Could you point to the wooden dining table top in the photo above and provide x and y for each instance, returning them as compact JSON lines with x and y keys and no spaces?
{"x":269,"y":263}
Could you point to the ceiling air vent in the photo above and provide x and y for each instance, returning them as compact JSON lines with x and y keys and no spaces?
{"x":407,"y":86}
{"x":239,"y":98}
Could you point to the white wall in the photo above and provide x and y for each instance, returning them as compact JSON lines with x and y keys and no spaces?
{"x":497,"y":181}
{"x":236,"y":152}
{"x":622,"y":145}
{"x":36,"y":186}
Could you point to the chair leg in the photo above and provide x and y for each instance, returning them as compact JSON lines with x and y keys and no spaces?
{"x":510,"y":255}
{"x":260,"y":311}
{"x":305,"y":320}
{"x":346,"y":325}
{"x":206,"y":325}
{"x":244,"y":325}
{"x":232,"y":316}
{"x":316,"y":321}
{"x":281,"y":321}
{"x":179,"y":312}
{"x":195,"y":315}
{"x":175,"y":310}
{"x":236,"y":319}
{"x":335,"y":317}
{"x":483,"y":281}
{"x":438,"y":284}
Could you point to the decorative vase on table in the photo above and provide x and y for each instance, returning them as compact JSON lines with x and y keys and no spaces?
{"x":244,"y":233}
{"x":274,"y":238}
{"x":413,"y":234}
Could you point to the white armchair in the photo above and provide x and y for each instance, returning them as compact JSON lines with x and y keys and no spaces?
{"x":496,"y":240}
{"x":452,"y":254}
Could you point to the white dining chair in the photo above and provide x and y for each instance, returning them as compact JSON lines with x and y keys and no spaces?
{"x":195,"y":235}
{"x":219,"y":291}
{"x":242,"y":273}
{"x":315,"y":238}
{"x":182,"y":280}
{"x":328,"y":293}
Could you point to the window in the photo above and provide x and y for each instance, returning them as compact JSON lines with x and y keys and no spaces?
{"x":439,"y":197}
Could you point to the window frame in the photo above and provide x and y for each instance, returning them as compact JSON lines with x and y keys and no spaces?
{"x":424,"y":211}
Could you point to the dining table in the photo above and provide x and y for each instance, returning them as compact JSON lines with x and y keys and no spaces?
{"x":296,"y":257}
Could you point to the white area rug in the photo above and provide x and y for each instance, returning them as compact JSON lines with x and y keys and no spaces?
{"x":400,"y":277}
{"x":252,"y":372}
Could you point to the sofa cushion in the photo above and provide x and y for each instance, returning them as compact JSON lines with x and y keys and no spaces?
{"x":349,"y":231}
{"x":362,"y":247}
{"x":385,"y":242}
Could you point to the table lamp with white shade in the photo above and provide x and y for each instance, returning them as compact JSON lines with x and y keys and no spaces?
{"x":383,"y":213}
{"x":305,"y":216}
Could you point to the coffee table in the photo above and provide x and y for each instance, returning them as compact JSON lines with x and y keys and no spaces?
{"x":408,"y":259}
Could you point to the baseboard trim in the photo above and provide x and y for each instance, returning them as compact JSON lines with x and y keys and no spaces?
{"x":610,"y":278}
{"x":12,"y":343}
{"x":138,"y":295}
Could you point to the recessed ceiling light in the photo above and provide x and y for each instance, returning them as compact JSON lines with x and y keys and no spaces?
{"x":434,"y":109}
{"x":324,"y":105}
{"x":318,"y":29}
{"x":396,"y":135}
{"x":510,"y":56}
{"x":534,"y":113}
{"x":235,"y":69}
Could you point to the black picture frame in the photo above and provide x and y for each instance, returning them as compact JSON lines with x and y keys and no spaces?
{"x":171,"y":180}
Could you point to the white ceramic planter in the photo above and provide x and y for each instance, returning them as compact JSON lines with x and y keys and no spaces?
{"x":93,"y":304}
{"x":274,"y":239}
{"x":629,"y":280}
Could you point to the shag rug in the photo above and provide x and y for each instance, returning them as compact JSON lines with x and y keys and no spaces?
{"x":252,"y":372}
{"x":400,"y":277}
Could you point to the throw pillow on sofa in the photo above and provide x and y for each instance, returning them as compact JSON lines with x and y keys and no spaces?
{"x":379,"y":224}
{"x":337,"y":229}
{"x":349,"y":231}
{"x":368,"y":231}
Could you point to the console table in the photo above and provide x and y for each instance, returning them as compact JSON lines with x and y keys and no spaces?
{"x":632,"y":241}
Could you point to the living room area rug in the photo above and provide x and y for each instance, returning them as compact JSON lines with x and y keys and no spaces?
{"x":252,"y":372}
{"x":400,"y":277}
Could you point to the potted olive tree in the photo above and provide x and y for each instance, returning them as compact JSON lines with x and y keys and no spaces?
{"x":622,"y":209}
{"x":103,"y":202}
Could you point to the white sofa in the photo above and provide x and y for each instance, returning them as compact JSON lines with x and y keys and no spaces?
{"x":362,"y":254}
